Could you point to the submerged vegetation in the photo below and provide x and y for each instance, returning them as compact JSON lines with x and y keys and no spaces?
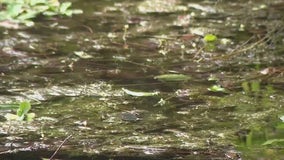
{"x":168,"y":79}
{"x":22,"y":113}
{"x":24,"y":11}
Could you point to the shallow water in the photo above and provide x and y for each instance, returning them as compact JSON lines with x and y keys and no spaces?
{"x":127,"y":45}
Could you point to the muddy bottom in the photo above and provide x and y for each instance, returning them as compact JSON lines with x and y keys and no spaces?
{"x":168,"y":154}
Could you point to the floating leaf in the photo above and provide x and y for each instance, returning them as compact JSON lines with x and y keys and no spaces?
{"x":210,"y":38}
{"x":30,"y":117}
{"x":140,"y":94}
{"x":271,"y":141}
{"x":83,"y":54}
{"x":11,"y":117}
{"x":8,"y":106}
{"x":216,"y":88}
{"x":172,"y":77}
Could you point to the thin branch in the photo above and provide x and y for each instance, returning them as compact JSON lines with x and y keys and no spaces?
{"x":60,"y":147}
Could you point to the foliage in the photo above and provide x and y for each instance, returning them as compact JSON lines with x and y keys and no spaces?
{"x":216,"y":88}
{"x":210,"y":42}
{"x":275,"y":141}
{"x":140,"y":94}
{"x":82,"y":54}
{"x":23,"y":11}
{"x":22,"y":112}
{"x":210,"y":38}
{"x":172,"y":77}
{"x":271,"y":141}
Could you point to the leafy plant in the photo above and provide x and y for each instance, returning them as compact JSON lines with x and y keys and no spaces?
{"x":22,"y":112}
{"x":23,"y":11}
{"x":272,"y":141}
{"x":210,"y":42}
{"x":216,"y":88}
{"x":172,"y":77}
{"x":210,"y":38}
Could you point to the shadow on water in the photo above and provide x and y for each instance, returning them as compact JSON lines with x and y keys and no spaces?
{"x":75,"y":73}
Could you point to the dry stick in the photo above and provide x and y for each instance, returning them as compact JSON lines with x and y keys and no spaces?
{"x":239,"y":50}
{"x":88,"y":28}
{"x":236,"y":52}
{"x":60,"y":147}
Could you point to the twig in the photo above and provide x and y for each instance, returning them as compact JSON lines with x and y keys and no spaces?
{"x":241,"y":50}
{"x":60,"y":147}
{"x":88,"y":28}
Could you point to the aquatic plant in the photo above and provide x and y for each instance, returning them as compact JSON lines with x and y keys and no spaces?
{"x":216,"y":88}
{"x":172,"y":77}
{"x":22,"y":112}
{"x":210,"y":42}
{"x":23,"y":11}
{"x":210,"y":38}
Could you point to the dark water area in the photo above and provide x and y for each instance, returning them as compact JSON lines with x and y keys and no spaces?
{"x":88,"y":76}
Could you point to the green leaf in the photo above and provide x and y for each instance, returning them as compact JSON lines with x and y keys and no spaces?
{"x":255,"y":86}
{"x":210,"y":38}
{"x":216,"y":88}
{"x":140,"y":94}
{"x":11,"y":117}
{"x":30,"y":117}
{"x":68,"y":13}
{"x":8,"y":106}
{"x":4,"y":16}
{"x":271,"y":141}
{"x":82,"y":54}
{"x":172,"y":77}
{"x":36,"y":2}
{"x":64,"y":6}
{"x":210,"y":47}
{"x":14,"y":9}
{"x":22,"y":11}
{"x":27,"y":15}
{"x":24,"y":108}
{"x":41,"y":8}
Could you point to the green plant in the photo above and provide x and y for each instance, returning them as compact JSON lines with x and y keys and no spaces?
{"x":210,"y":38}
{"x":172,"y":77}
{"x":210,"y":42}
{"x":22,"y":112}
{"x":276,"y":140}
{"x":23,"y":11}
{"x":216,"y":88}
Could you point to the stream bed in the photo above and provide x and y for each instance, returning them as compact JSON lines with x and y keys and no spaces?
{"x":94,"y":81}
